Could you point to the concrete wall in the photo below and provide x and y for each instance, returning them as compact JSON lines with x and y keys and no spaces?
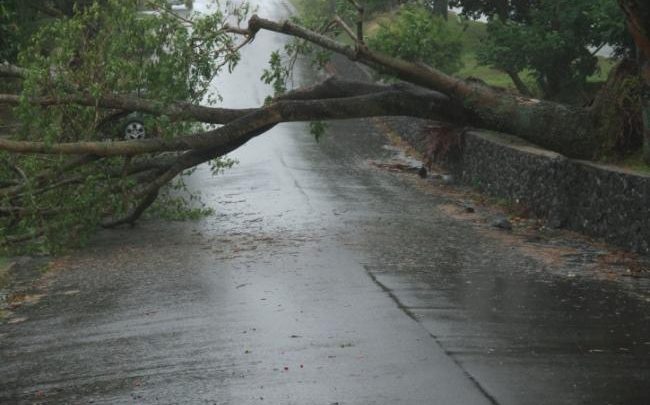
{"x":597,"y":200}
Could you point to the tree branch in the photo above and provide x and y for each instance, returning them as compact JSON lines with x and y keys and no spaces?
{"x":177,"y":110}
{"x":396,"y":100}
{"x":542,"y":122}
{"x":137,"y":212}
{"x":339,"y":21}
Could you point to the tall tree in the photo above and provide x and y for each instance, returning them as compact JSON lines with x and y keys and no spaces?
{"x":555,"y":39}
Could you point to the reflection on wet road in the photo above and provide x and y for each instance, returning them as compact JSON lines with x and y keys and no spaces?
{"x":321,"y":280}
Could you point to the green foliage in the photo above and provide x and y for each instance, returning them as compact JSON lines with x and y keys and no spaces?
{"x":277,"y":74}
{"x":221,"y":164}
{"x":318,"y":13}
{"x":178,"y":203}
{"x":8,"y":32}
{"x":554,"y":39}
{"x":20,"y":19}
{"x":416,"y":35}
{"x":107,"y":47}
{"x":516,"y":10}
{"x":372,"y":6}
{"x":317,"y":128}
{"x":115,"y":49}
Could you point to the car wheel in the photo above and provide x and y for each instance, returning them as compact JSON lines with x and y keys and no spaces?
{"x":134,"y":130}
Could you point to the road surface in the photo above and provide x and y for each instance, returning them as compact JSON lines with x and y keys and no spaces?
{"x":323,"y":279}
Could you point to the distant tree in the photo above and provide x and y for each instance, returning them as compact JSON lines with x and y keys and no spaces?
{"x":20,"y":19}
{"x":556,"y":39}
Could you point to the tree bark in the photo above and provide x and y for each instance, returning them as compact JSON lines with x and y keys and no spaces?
{"x":637,"y":13}
{"x":565,"y":129}
{"x":386,"y":100}
{"x":519,"y":84}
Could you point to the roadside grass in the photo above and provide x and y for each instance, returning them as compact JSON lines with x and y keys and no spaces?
{"x":493,"y":77}
{"x":605,"y":66}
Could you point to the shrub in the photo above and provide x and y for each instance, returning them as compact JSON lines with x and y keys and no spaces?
{"x":416,"y":35}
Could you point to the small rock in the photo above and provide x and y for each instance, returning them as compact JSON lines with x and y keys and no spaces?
{"x":469,"y":209}
{"x":502,"y":223}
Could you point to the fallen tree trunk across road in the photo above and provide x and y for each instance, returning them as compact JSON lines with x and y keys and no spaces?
{"x":578,"y":132}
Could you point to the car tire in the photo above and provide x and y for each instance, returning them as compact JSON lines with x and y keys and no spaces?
{"x":134,"y":129}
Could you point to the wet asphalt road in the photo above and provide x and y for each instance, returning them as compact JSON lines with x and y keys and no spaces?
{"x":323,"y":280}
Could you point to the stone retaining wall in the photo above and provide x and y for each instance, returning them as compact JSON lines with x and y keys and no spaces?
{"x":597,"y":200}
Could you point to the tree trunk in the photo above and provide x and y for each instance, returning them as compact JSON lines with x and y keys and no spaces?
{"x":519,"y":84}
{"x":563,"y":128}
{"x":645,"y":105}
{"x":637,"y":13}
{"x":617,"y":111}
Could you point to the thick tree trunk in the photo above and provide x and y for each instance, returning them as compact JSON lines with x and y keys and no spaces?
{"x":562,"y":128}
{"x":637,"y":13}
{"x":333,"y":99}
{"x":617,"y":111}
{"x":519,"y":84}
{"x":645,"y":106}
{"x":646,"y":116}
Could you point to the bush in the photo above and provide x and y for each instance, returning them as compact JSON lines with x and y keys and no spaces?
{"x":416,"y":35}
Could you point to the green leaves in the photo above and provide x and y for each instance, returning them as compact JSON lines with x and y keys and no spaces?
{"x":107,"y":47}
{"x":416,"y":35}
{"x":277,"y":74}
{"x":553,"y":39}
{"x":317,"y":128}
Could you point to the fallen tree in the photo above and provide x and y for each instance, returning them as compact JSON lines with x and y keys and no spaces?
{"x":67,"y":177}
